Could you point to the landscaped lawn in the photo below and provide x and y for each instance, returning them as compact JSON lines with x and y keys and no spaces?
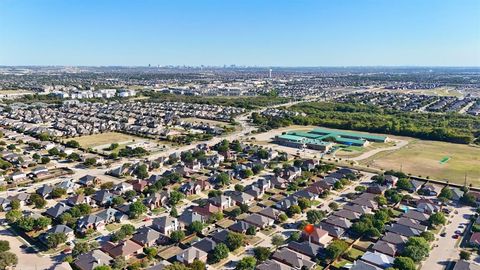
{"x":340,"y":263}
{"x":113,"y":227}
{"x":354,"y":253}
{"x":423,"y":158}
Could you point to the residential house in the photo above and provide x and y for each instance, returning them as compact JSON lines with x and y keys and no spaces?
{"x":273,"y":265}
{"x":403,"y":230}
{"x":122,"y":188}
{"x":103,"y":197}
{"x":464,"y":265}
{"x":431,"y":189}
{"x":333,"y":231}
{"x":44,"y":191}
{"x":361,"y":265}
{"x":166,"y":225}
{"x":207,"y":210}
{"x":111,"y":215}
{"x":80,"y":199}
{"x":92,"y":259}
{"x":190,"y":188}
{"x":139,"y":185}
{"x":240,"y":227}
{"x":306,"y":248}
{"x":206,"y":244}
{"x":190,"y":254}
{"x":475,"y":239}
{"x":125,"y":249}
{"x":339,"y":222}
{"x":292,"y":258}
{"x":57,"y":210}
{"x":378,"y":259}
{"x":385,"y":248}
{"x":319,"y":236}
{"x":222,"y":201}
{"x":68,"y":185}
{"x":92,"y":222}
{"x":240,"y":197}
{"x":146,"y":237}
{"x":88,"y":180}
{"x":259,"y":221}
{"x":5,"y":204}
{"x":189,"y":216}
{"x":270,"y":212}
{"x":156,"y":200}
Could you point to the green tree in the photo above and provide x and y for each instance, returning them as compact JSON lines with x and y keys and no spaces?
{"x":404,"y":184}
{"x":89,"y":162}
{"x":119,"y":263}
{"x":277,"y":240}
{"x":102,"y":267}
{"x":246,"y":263}
{"x":465,"y":255}
{"x":304,"y":203}
{"x":282,"y":217}
{"x":45,"y":160}
{"x":4,"y":245}
{"x":41,"y":223}
{"x":58,"y":192}
{"x":293,"y":210}
{"x":234,"y":240}
{"x":175,"y":197}
{"x":177,"y":236}
{"x":295,"y":236}
{"x":437,"y":219}
{"x":118,"y":200}
{"x":333,"y":206}
{"x":197,"y":265}
{"x":141,"y":171}
{"x":427,"y":235}
{"x":223,"y":179}
{"x":251,"y":230}
{"x":55,"y":239}
{"x":404,"y":263}
{"x":335,"y":249}
{"x":262,"y":253}
{"x":53,"y":152}
{"x":136,"y":209}
{"x":176,"y":266}
{"x":195,"y":227}
{"x":7,"y":259}
{"x":381,"y":200}
{"x":73,"y":144}
{"x":13,"y":215}
{"x":151,"y":252}
{"x":417,"y":248}
{"x":219,"y":253}
{"x":315,"y":216}
{"x":15,"y":204}
{"x":74,"y":157}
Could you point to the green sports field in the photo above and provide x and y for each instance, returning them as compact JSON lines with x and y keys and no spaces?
{"x":438,"y":160}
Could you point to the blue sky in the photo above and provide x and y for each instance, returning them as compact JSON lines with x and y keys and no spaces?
{"x":242,"y":32}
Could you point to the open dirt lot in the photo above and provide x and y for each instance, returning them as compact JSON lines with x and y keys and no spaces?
{"x":424,"y":158}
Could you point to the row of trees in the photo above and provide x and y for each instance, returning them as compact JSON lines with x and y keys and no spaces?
{"x":454,"y":128}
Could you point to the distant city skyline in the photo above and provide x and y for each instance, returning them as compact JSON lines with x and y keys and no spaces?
{"x":280,"y":33}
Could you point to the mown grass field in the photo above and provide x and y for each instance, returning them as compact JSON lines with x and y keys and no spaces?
{"x":105,"y":139}
{"x":423,"y":158}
